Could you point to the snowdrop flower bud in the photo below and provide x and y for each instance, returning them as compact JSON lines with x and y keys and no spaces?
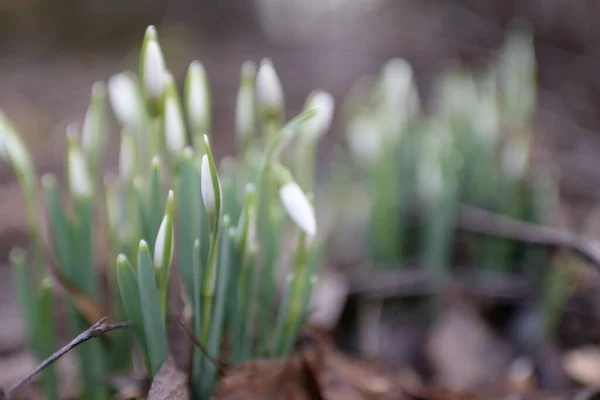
{"x":268,"y":87}
{"x":79,"y":180}
{"x":515,"y":157}
{"x":125,"y":100}
{"x":245,"y":111}
{"x":197,"y":98}
{"x":174,"y":128}
{"x":153,"y":65}
{"x":92,"y":132}
{"x":324,"y":105}
{"x":298,"y":207}
{"x":12,"y":148}
{"x":163,"y":247}
{"x":127,"y":156}
{"x":295,"y":201}
{"x":113,"y":214}
{"x":364,"y":140}
{"x":207,"y":186}
{"x":209,"y":181}
{"x":429,"y":171}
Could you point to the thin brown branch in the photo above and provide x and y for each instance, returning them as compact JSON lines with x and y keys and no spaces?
{"x":475,"y":220}
{"x":411,"y":281}
{"x":93,"y":331}
{"x":415,"y":282}
{"x":221,"y":366}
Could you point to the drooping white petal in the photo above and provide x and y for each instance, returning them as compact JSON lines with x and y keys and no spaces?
{"x":298,"y":207}
{"x":206,"y":183}
{"x":268,"y":87}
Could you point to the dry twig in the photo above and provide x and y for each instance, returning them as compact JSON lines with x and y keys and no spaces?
{"x":93,"y":331}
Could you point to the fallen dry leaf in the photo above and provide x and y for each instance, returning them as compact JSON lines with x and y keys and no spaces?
{"x":583,"y":365}
{"x":463,"y":351}
{"x":170,"y":383}
{"x":316,"y":371}
{"x":434,"y":393}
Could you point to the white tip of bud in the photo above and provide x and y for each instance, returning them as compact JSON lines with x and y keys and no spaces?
{"x":79,"y":176}
{"x":429,"y":172}
{"x":245,"y":112}
{"x":12,"y":148}
{"x":160,"y":244}
{"x":268,"y":87}
{"x":154,"y":70}
{"x":324,"y":105}
{"x":197,"y":101}
{"x":364,"y":141}
{"x":298,"y":207}
{"x":124,"y":99}
{"x":174,"y":128}
{"x":127,"y":156}
{"x":206,"y":183}
{"x":515,"y":157}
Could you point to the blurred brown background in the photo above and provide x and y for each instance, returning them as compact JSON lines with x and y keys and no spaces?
{"x":51,"y":52}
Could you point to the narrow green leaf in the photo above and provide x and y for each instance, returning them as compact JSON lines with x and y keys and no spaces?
{"x":59,"y":225}
{"x":130,"y":298}
{"x":150,"y":303}
{"x":218,"y":319}
{"x":155,"y":202}
{"x":93,"y":137}
{"x":197,"y":355}
{"x":188,"y":208}
{"x":45,"y":332}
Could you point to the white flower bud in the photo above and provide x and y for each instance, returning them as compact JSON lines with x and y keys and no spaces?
{"x":92,"y":134}
{"x":127,"y":156}
{"x":165,"y":230}
{"x":79,"y":176}
{"x":364,"y":140}
{"x":324,"y":105}
{"x":515,"y":157}
{"x":245,"y":112}
{"x":153,"y":66}
{"x":125,"y":99}
{"x":206,"y":183}
{"x":197,"y":98}
{"x":298,"y":207}
{"x":268,"y":87}
{"x":12,"y":148}
{"x":174,"y":128}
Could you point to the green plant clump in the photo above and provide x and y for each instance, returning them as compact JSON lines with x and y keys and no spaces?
{"x":413,"y":170}
{"x":222,"y":227}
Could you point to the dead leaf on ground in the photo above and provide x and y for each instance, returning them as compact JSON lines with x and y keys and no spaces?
{"x":464,"y":352}
{"x":316,"y":371}
{"x":583,"y":365}
{"x":170,"y":383}
{"x":434,"y":393}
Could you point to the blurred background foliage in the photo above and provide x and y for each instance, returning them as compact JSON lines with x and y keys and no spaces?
{"x":53,"y":50}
